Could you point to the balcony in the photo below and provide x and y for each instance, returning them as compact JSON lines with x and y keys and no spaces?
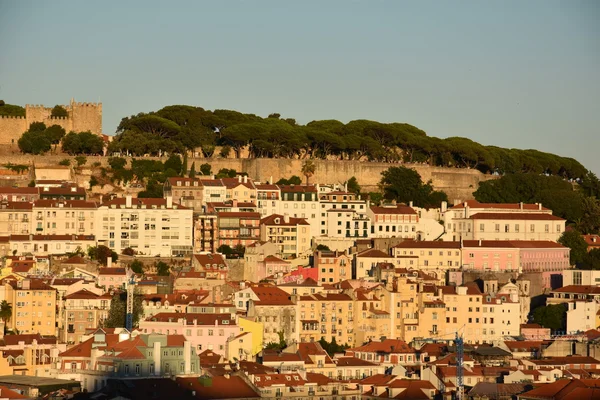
{"x":81,"y":218}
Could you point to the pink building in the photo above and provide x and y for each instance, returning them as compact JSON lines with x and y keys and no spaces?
{"x":204,"y":331}
{"x":490,"y":255}
{"x":113,"y":277}
{"x":547,"y":257}
{"x":535,"y":332}
{"x":299,"y":275}
{"x":271,"y":266}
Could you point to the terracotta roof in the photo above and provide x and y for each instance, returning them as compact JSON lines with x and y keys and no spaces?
{"x":46,"y":203}
{"x":75,"y":260}
{"x":112,"y":271}
{"x":221,"y":387}
{"x":399,"y":209}
{"x":289,"y":380}
{"x":413,"y":244}
{"x":10,"y":394}
{"x":148,"y":202}
{"x":388,"y":346}
{"x":579,"y":289}
{"x":282,"y":357}
{"x":16,"y":205}
{"x":34,"y":284}
{"x":271,"y":295}
{"x":529,"y":244}
{"x":200,"y":318}
{"x":239,"y":214}
{"x":517,"y":216}
{"x":298,"y":188}
{"x":279,"y":220}
{"x":566,"y":389}
{"x":11,"y":340}
{"x":592,"y":240}
{"x":82,"y":294}
{"x":37,"y":238}
{"x":505,"y":206}
{"x":213,"y":258}
{"x":347,"y":361}
{"x":273,"y":259}
{"x":373,"y":253}
{"x":18,"y":190}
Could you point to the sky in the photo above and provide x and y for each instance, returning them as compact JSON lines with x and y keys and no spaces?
{"x":518,"y":74}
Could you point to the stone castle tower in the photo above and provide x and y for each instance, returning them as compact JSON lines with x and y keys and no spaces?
{"x":82,"y":117}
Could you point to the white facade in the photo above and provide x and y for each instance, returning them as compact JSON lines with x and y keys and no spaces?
{"x":302,"y":202}
{"x":581,"y":277}
{"x":148,"y":226}
{"x":581,"y":316}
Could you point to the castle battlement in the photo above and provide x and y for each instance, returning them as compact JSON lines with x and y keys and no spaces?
{"x":82,"y":116}
{"x":11,"y":117}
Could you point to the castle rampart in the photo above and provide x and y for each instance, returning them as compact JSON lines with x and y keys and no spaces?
{"x":81,"y":117}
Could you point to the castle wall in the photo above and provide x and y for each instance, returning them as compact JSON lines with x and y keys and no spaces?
{"x":82,"y":117}
{"x":87,"y":117}
{"x":9,"y":128}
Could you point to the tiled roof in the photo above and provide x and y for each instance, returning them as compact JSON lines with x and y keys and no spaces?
{"x":290,"y":380}
{"x":298,"y":188}
{"x":82,"y":294}
{"x":279,"y":220}
{"x":112,"y":271}
{"x":271,"y":295}
{"x":388,"y":346}
{"x":75,"y":260}
{"x":566,"y":389}
{"x":578,"y":289}
{"x":45,"y":203}
{"x":529,"y":244}
{"x":11,"y":340}
{"x":221,"y":387}
{"x":413,"y":244}
{"x":503,"y":206}
{"x":353,"y":362}
{"x":148,"y":202}
{"x":215,"y":258}
{"x":399,"y":209}
{"x":199,"y":318}
{"x":517,"y":216}
{"x":373,"y":253}
{"x":34,"y":284}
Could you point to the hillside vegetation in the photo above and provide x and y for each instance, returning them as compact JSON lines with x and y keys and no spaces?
{"x":178,"y":128}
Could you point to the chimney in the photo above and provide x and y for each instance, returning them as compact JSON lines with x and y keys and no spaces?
{"x":410,"y":203}
{"x":520,"y":205}
{"x":109,"y":262}
{"x":234,"y":203}
{"x":128,"y":201}
{"x":26,"y":284}
{"x":187,"y":357}
{"x":156,"y":357}
{"x":239,"y":178}
{"x":245,"y":178}
{"x":286,"y":218}
{"x":539,"y":206}
{"x":169,"y":202}
{"x":479,"y":244}
{"x":444,"y":207}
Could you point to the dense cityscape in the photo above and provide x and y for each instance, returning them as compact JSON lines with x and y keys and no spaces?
{"x":158,"y":280}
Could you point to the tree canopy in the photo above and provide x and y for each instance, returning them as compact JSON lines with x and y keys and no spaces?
{"x":551,"y":316}
{"x":117,"y":313}
{"x":178,"y":128}
{"x":10,"y":110}
{"x":574,"y":241}
{"x":82,"y":143}
{"x":405,"y":185}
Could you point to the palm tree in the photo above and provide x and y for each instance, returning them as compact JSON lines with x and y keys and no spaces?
{"x":5,"y":312}
{"x":308,"y":169}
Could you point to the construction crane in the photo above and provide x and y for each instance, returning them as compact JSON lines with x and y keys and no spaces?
{"x":129,"y":315}
{"x":460,"y":357}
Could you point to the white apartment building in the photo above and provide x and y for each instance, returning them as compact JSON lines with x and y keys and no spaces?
{"x":63,"y":217}
{"x":148,"y":226}
{"x":513,"y":226}
{"x":394,"y":220}
{"x":582,"y":316}
{"x":214,"y":190}
{"x":45,"y":245}
{"x":343,"y":215}
{"x":15,"y":217}
{"x":301,"y":201}
{"x":268,"y":199}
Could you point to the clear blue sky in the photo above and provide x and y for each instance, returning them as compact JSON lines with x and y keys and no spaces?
{"x":522,"y":74}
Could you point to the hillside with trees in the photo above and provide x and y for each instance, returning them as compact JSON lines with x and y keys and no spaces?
{"x":178,"y":128}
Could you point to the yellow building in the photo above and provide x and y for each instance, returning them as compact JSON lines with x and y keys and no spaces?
{"x":333,"y":266}
{"x":33,"y":306}
{"x":256,"y":329}
{"x":434,"y":257}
